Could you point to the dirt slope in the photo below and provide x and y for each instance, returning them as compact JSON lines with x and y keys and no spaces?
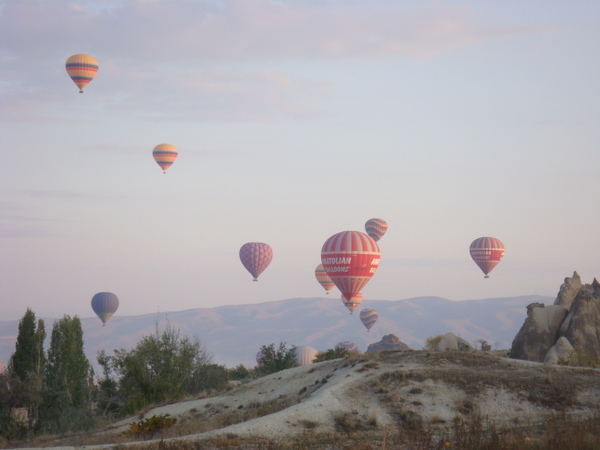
{"x":387,"y":391}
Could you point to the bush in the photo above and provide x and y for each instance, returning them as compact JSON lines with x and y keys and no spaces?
{"x":431,"y":343}
{"x":332,"y":353}
{"x":162,"y":367}
{"x":581,"y":358}
{"x":149,"y":427}
{"x":275,"y":360}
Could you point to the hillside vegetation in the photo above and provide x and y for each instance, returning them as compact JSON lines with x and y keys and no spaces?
{"x":411,"y":399}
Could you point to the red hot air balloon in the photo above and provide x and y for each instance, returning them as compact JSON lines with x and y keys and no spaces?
{"x":487,"y":253}
{"x":376,"y":228}
{"x":350,"y":258}
{"x":368,"y":317}
{"x":82,"y":69}
{"x":105,"y":304}
{"x":352,"y":302}
{"x":256,"y":257}
{"x":323,"y":279}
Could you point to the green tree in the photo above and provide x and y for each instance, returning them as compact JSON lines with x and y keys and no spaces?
{"x":162,"y":367}
{"x":28,"y":357}
{"x":69,"y":385}
{"x":26,"y":366}
{"x":239,"y":372}
{"x":332,"y":353}
{"x":274,"y":360}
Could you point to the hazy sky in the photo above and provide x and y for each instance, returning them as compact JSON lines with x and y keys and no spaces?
{"x":294,"y":120}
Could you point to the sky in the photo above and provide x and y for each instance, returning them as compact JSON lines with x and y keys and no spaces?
{"x":294,"y":120}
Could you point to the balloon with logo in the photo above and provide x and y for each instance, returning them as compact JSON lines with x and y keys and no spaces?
{"x":323,"y":279}
{"x":368,"y":317}
{"x":350,"y":258}
{"x":82,"y":69}
{"x":487,"y":253}
{"x":376,"y":228}
{"x":256,"y":257}
{"x":165,"y":155}
{"x":105,"y":304}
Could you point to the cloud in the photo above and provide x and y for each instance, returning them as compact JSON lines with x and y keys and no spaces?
{"x":201,"y":32}
{"x":233,"y":60}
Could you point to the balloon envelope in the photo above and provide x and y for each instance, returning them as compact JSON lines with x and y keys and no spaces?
{"x":487,"y":253}
{"x":82,"y":69}
{"x":259,"y":357}
{"x":352,"y":302}
{"x":350,"y":258}
{"x":347,"y":345}
{"x":305,"y":355}
{"x":165,"y":155}
{"x":376,"y":228}
{"x":368,"y":317}
{"x":256,"y":257}
{"x":323,"y":279}
{"x":105,"y":304}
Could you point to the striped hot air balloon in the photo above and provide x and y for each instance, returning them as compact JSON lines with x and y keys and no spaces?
{"x":347,"y":345}
{"x":350,"y":258}
{"x":368,"y":317}
{"x":487,"y":253}
{"x":256,"y":257}
{"x":305,"y":355}
{"x":351,"y":303}
{"x":165,"y":155}
{"x":376,"y":228}
{"x":105,"y":304}
{"x":82,"y":69}
{"x":323,"y":279}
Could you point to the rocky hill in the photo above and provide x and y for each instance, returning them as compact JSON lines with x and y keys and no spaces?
{"x":409,"y":399}
{"x":566,"y":328}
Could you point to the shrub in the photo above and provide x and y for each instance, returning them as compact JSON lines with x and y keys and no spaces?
{"x":152,"y":425}
{"x":431,"y":343}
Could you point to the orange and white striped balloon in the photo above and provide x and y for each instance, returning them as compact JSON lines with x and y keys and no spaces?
{"x":82,"y":69}
{"x":165,"y":155}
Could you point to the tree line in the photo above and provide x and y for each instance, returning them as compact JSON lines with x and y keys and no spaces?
{"x":56,"y":391}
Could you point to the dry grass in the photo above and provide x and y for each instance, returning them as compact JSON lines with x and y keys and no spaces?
{"x":401,"y":385}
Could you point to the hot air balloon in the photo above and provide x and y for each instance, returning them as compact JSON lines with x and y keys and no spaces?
{"x":353,"y":303}
{"x":376,"y":228}
{"x":487,"y":253}
{"x":347,"y":345}
{"x":82,"y":69}
{"x":305,"y":355}
{"x":350,"y":258}
{"x":368,"y":317}
{"x":256,"y":257}
{"x":105,"y":304}
{"x":259,"y":357}
{"x":165,"y":155}
{"x":323,"y":278}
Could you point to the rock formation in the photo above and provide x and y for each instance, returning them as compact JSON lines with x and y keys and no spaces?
{"x":539,"y":332}
{"x":561,"y":350}
{"x":388,"y":342}
{"x":571,"y":323}
{"x":451,"y":342}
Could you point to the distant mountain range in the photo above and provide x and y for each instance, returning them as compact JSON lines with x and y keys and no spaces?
{"x":234,"y":334}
